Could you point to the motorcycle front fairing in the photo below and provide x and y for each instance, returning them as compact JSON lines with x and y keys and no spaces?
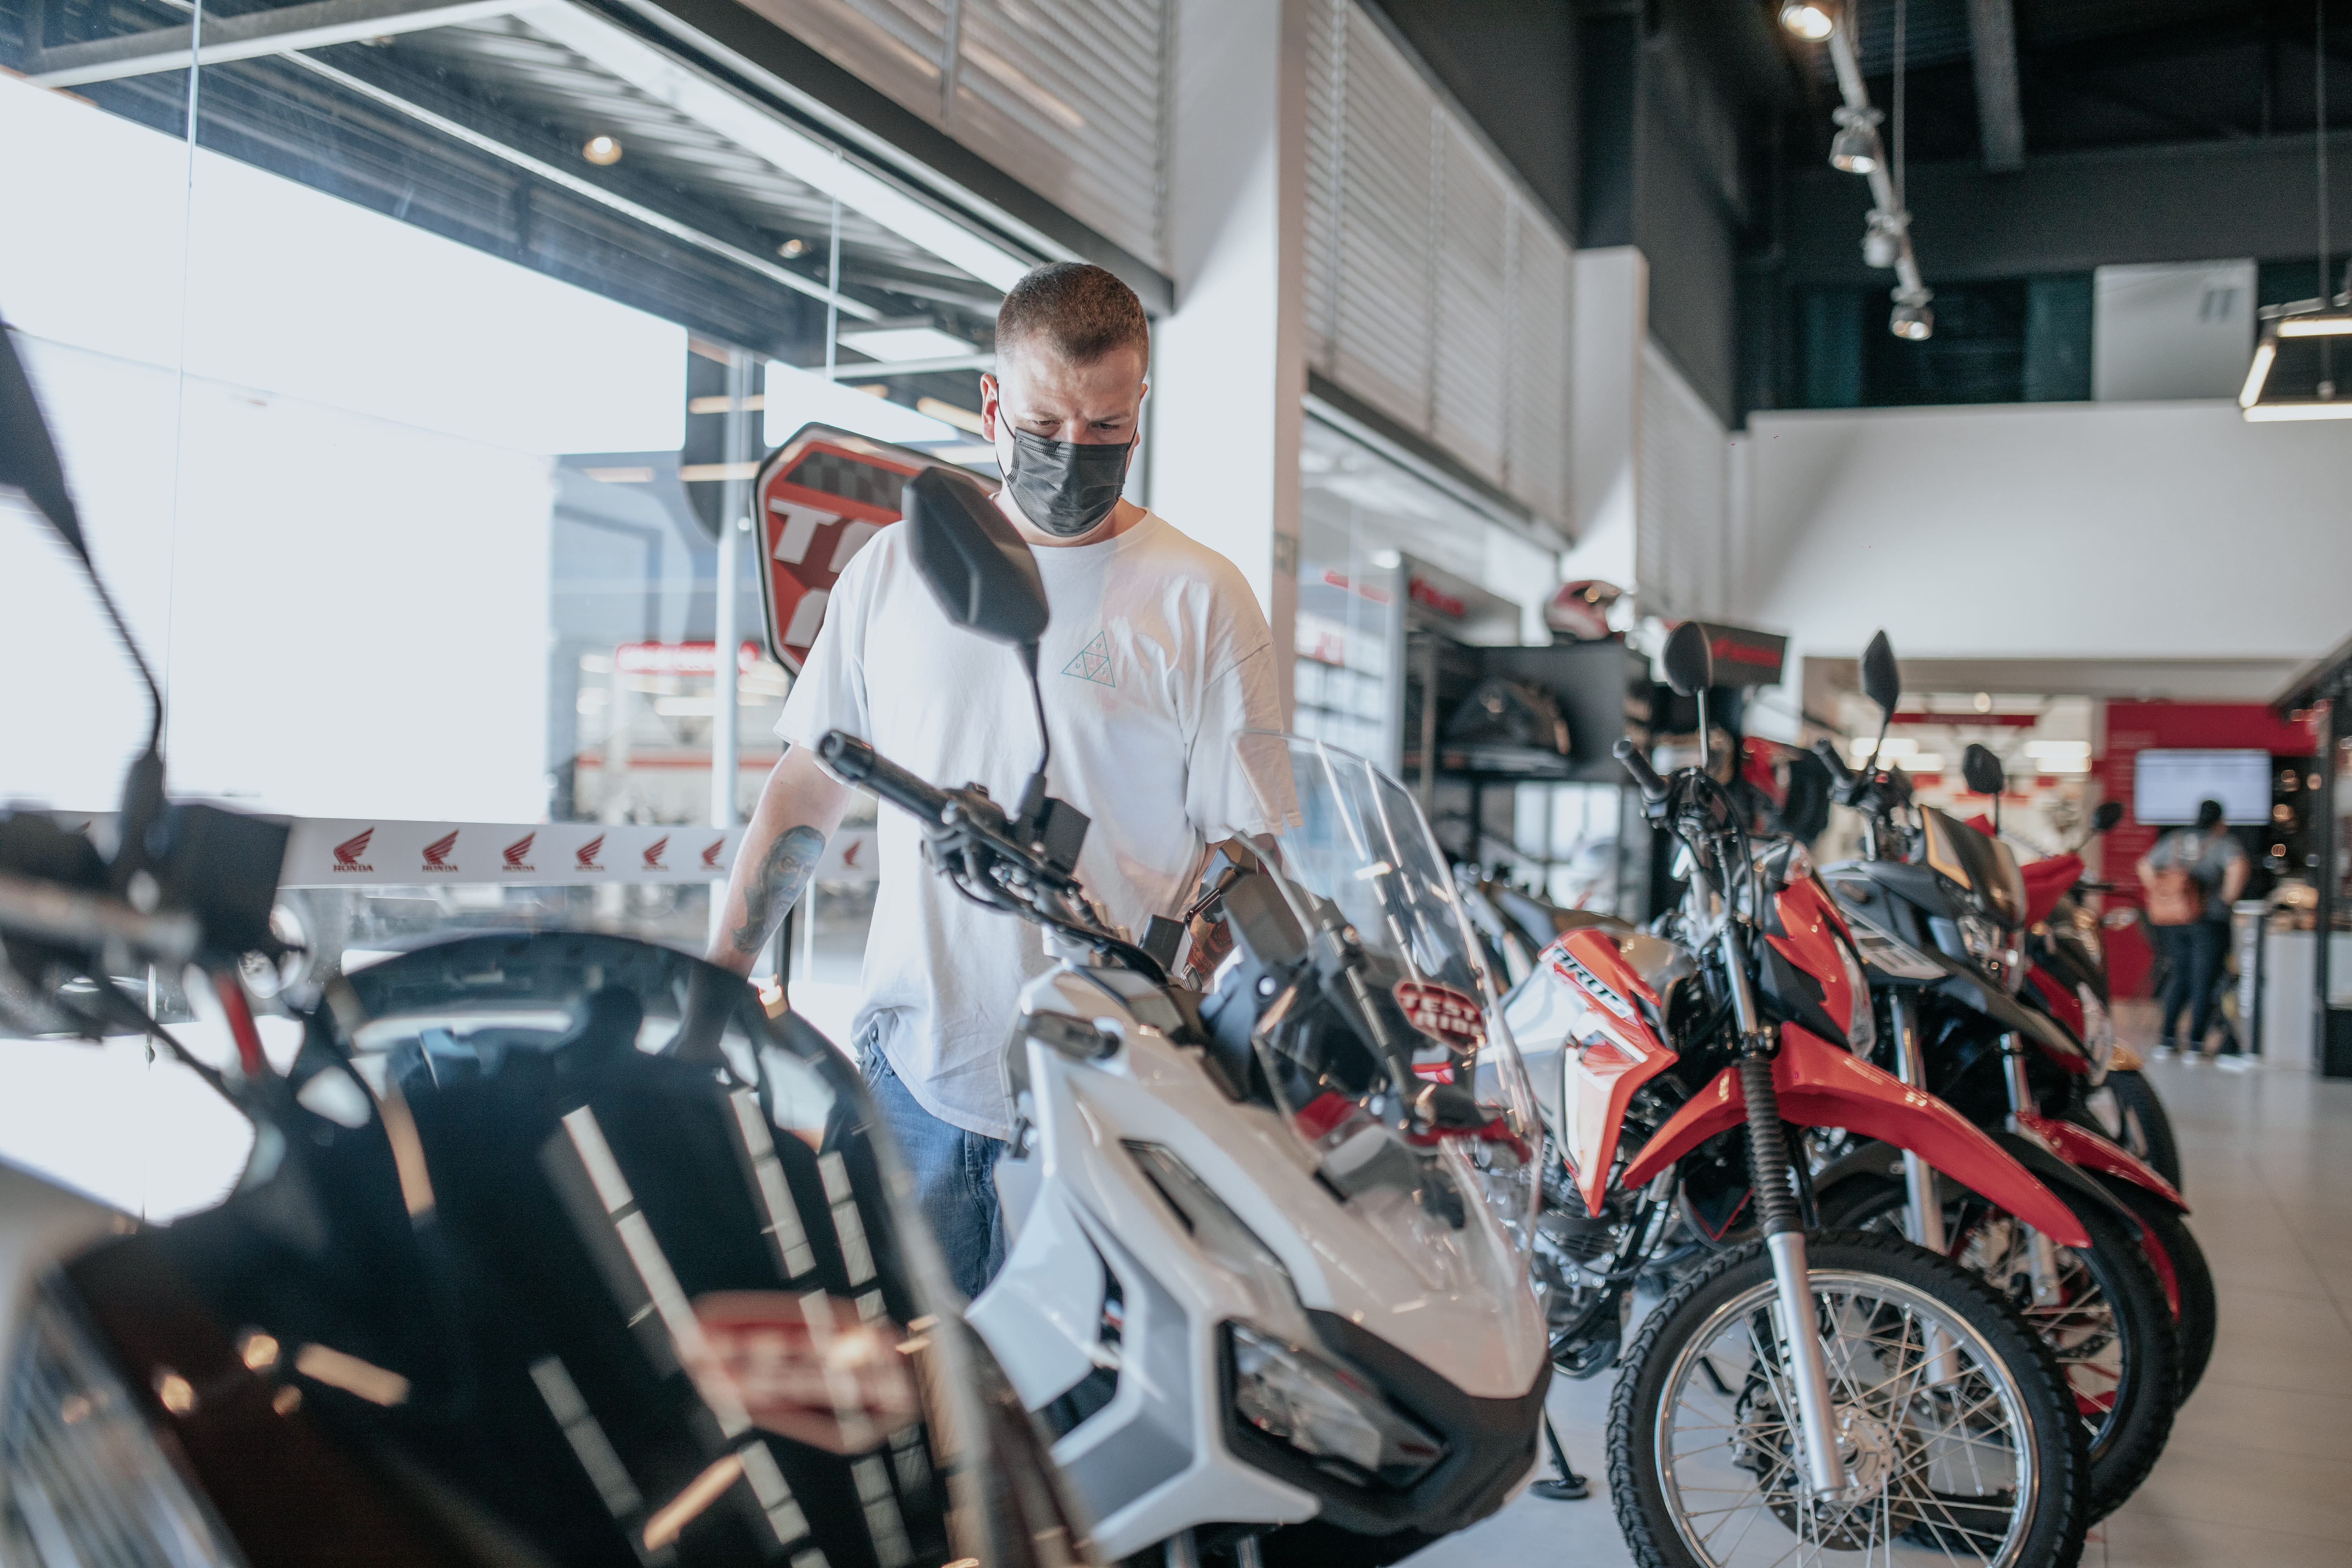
{"x":512,"y":1280}
{"x":1190,"y":1232}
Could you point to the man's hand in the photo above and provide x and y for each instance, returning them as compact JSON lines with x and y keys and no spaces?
{"x":800,"y":806}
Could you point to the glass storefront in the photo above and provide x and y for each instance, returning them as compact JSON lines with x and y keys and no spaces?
{"x":393,"y":375}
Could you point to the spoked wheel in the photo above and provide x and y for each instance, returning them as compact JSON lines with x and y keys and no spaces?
{"x":2104,"y":1314}
{"x":1957,"y":1437}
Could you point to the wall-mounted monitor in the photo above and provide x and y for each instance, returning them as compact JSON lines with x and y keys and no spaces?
{"x":2166,"y":785}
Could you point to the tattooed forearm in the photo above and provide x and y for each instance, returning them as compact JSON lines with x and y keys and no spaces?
{"x":775,"y":884}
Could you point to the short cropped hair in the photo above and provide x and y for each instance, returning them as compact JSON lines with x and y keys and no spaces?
{"x":2208,"y":814}
{"x":1074,"y":311}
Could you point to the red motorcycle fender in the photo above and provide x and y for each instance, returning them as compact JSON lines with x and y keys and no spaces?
{"x":2094,"y":1151}
{"x":1822,"y":1085}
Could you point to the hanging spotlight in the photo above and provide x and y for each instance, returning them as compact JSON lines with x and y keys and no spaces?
{"x":1882,"y":242}
{"x":1808,"y":20}
{"x":1854,"y":150}
{"x":1912,"y":320}
{"x":602,"y":150}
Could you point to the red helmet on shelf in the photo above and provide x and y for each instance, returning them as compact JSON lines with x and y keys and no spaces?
{"x":1581,"y":610}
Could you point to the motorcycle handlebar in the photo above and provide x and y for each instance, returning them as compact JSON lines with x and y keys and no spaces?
{"x":1654,"y":788}
{"x":1835,"y":762}
{"x":860,"y":763}
{"x":72,"y":918}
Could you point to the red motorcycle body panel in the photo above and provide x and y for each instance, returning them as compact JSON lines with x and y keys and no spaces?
{"x":2097,"y":1152}
{"x":1619,"y":1053}
{"x":1822,"y":1085}
{"x":1813,"y":932}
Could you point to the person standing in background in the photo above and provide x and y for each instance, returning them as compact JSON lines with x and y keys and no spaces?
{"x":2191,"y":879}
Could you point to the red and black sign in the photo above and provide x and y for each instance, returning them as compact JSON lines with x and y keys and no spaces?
{"x":1442,"y":1014}
{"x":818,"y":500}
{"x":1744,"y":658}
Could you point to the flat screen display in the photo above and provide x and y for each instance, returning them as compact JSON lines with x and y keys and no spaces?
{"x":2168,"y":785}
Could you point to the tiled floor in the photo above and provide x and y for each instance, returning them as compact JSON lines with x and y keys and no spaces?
{"x":2259,"y":1471}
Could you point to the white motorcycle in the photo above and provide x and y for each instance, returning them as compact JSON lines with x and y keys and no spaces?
{"x":1270,"y":1240}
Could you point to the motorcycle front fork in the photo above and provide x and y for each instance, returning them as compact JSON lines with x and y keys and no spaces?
{"x":1926,"y":1209}
{"x":2041,"y":1255}
{"x":1770,"y":1171}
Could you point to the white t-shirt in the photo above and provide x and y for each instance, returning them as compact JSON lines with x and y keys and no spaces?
{"x":1157,"y":657}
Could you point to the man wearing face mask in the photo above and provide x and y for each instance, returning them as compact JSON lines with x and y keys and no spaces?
{"x":1157,"y":657}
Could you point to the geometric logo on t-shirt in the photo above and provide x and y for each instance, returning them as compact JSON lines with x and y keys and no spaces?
{"x":1093,"y":662}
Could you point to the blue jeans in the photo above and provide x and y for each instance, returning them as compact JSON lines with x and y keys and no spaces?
{"x":954,"y":1172}
{"x":2193,"y":984}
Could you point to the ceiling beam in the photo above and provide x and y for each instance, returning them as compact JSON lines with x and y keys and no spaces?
{"x":2000,"y":115}
{"x":252,"y":36}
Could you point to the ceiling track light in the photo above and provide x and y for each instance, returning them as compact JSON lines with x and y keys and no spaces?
{"x":1911,"y":320}
{"x":1882,"y":240}
{"x":2322,"y":318}
{"x":1854,"y":150}
{"x":1808,"y":20}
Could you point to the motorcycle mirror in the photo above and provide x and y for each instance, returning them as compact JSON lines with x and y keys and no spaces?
{"x":29,"y":461}
{"x":2108,"y":813}
{"x":1881,"y":681}
{"x":1982,"y":770}
{"x":977,"y":565}
{"x":1689,"y":662}
{"x":980,"y":569}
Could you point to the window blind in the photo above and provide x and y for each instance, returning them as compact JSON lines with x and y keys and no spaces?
{"x":1436,"y":289}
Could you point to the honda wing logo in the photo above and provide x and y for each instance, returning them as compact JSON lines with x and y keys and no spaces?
{"x":437,"y":854}
{"x":849,"y":853}
{"x":586,"y":854}
{"x":710,"y":856}
{"x":348,"y":853}
{"x":516,"y":855}
{"x":654,"y":854}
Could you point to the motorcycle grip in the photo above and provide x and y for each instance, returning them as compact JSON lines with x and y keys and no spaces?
{"x":1836,"y":764}
{"x":859,"y":763}
{"x":1653,"y":786}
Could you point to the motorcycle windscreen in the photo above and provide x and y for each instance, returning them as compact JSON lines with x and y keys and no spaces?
{"x":573,"y":1256}
{"x":1425,"y":1056}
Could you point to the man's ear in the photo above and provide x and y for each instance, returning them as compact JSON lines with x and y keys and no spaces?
{"x":988,"y":406}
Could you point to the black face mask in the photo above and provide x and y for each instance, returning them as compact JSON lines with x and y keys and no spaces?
{"x":1065,"y":487}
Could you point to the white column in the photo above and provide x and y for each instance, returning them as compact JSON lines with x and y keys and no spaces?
{"x":1611,"y":300}
{"x":1228,"y":369}
{"x":734,"y":521}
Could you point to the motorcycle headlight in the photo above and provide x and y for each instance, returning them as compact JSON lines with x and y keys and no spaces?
{"x":1862,"y":1030}
{"x":1988,"y":946}
{"x":1326,"y":1412}
{"x":2098,"y":1028}
{"x":82,"y":1477}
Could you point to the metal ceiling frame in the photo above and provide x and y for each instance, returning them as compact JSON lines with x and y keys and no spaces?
{"x":2000,"y":115}
{"x":674,"y":83}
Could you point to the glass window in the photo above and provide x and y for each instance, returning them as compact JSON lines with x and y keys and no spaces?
{"x":403,"y":383}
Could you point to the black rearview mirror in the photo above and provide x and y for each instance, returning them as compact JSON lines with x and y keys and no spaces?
{"x":28,"y":459}
{"x":1689,"y":662}
{"x":976,"y":564}
{"x":1881,"y":681}
{"x":1982,"y":770}
{"x":2108,"y":813}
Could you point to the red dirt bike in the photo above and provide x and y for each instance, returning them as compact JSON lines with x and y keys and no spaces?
{"x":1939,"y":912}
{"x":1917,"y":1408}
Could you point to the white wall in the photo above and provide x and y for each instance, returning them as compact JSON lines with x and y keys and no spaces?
{"x":1229,"y":368}
{"x":2073,"y":530}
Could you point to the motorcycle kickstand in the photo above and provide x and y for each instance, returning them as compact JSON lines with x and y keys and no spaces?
{"x":1567,"y":1486}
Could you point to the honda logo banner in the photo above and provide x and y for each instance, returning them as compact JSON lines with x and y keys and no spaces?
{"x":379,"y":852}
{"x":327,"y":852}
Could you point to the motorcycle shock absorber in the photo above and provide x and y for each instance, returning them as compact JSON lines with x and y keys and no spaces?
{"x":1784,"y":1232}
